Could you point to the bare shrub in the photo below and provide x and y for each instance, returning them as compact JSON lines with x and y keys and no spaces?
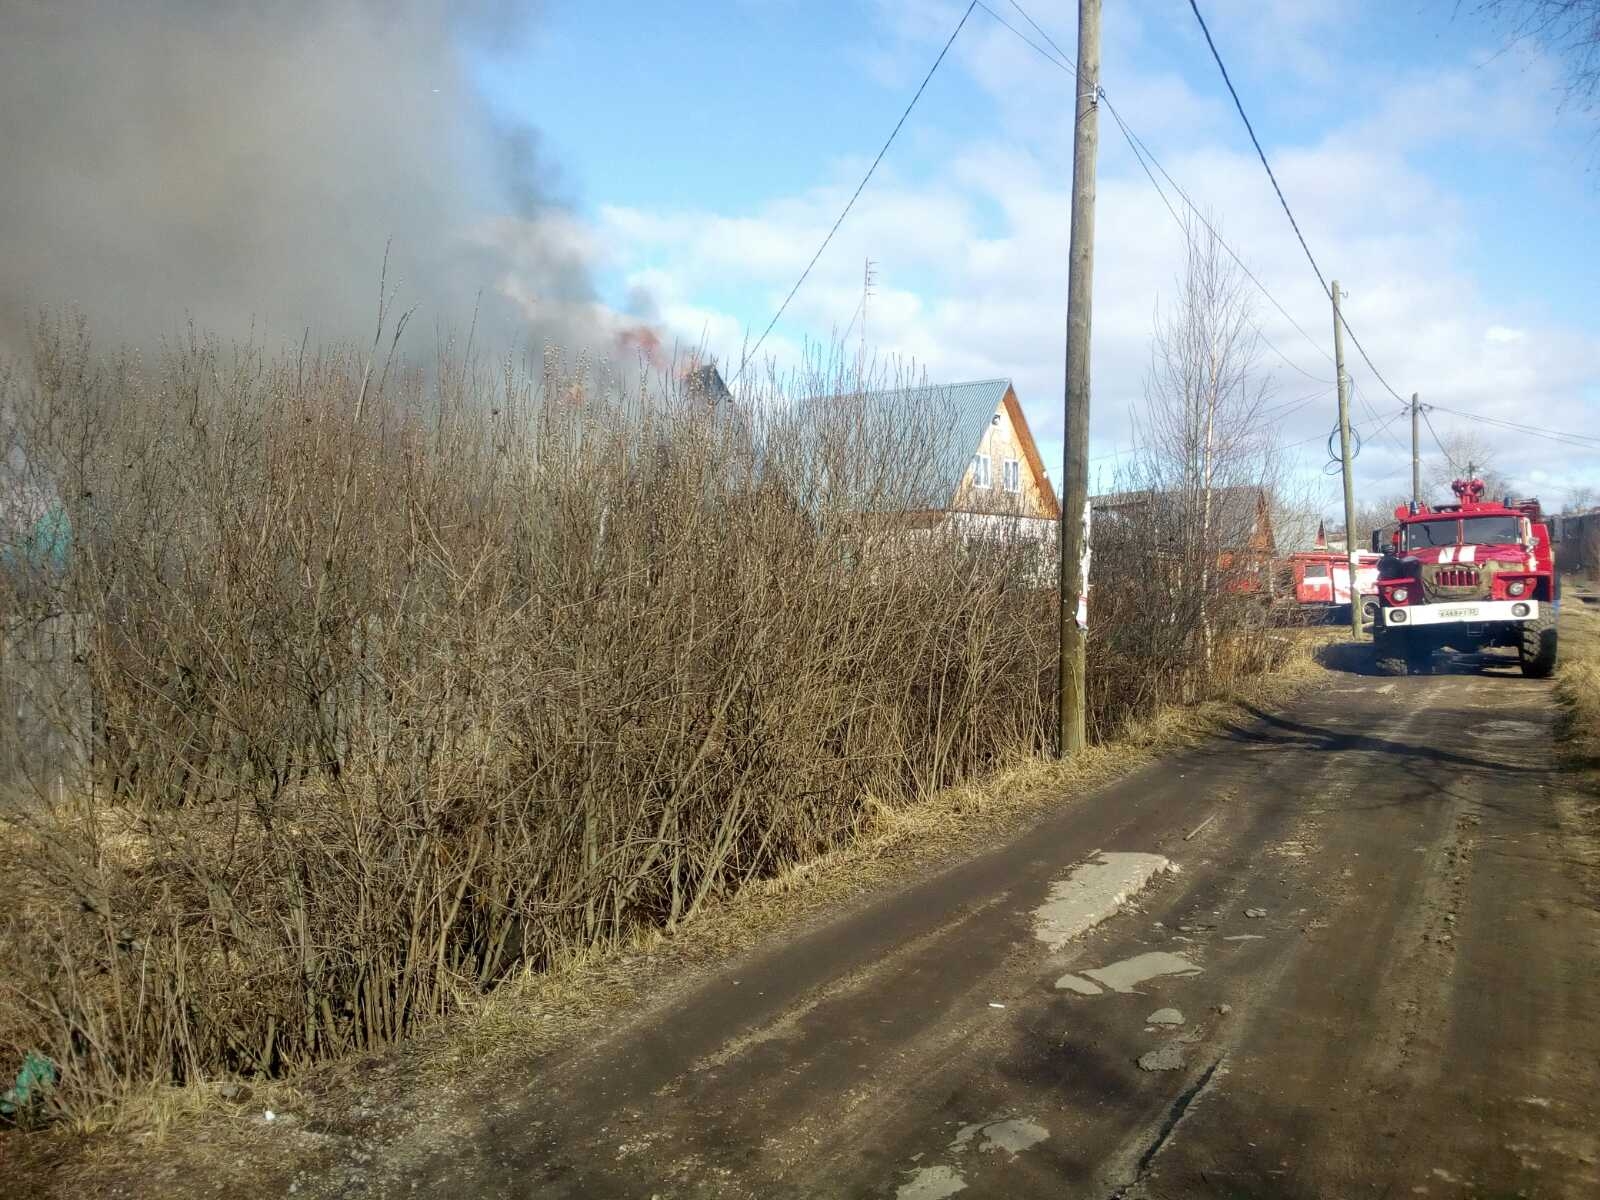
{"x":1183,"y":551}
{"x":405,"y":681}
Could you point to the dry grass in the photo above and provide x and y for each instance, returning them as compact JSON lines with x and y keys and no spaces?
{"x":1578,"y":679}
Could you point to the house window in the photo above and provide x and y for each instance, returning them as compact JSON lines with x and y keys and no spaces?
{"x":981,"y":476}
{"x":1011,"y":475}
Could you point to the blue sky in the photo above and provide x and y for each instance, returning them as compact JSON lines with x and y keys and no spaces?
{"x":708,"y":147}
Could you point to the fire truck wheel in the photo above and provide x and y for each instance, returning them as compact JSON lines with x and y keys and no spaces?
{"x":1389,"y":651}
{"x":1419,"y":658}
{"x":1537,"y":652}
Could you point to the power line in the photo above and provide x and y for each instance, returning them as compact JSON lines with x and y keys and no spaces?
{"x":1454,"y":466}
{"x":1260,"y":153}
{"x":1140,"y":153}
{"x":845,"y":336}
{"x":1144,"y":156}
{"x":1354,"y":429}
{"x":857,"y":193}
{"x":1141,"y":148}
{"x":1189,"y":240}
{"x":1555,"y":435}
{"x":1066,"y":66}
{"x":1373,"y":413}
{"x":1053,"y":44}
{"x":1367,"y":358}
{"x":1287,"y":211}
{"x":1129,"y":138}
{"x":1294,"y":405}
{"x":1385,"y":422}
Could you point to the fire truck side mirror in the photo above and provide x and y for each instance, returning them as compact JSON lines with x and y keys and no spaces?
{"x":1377,"y":541}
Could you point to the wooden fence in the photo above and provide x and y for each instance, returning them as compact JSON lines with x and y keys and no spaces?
{"x":1578,"y":544}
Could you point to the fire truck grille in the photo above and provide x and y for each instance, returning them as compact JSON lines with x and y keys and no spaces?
{"x":1456,"y":577}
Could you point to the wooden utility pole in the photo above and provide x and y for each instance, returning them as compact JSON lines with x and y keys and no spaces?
{"x":1352,"y":555}
{"x":1072,"y":727}
{"x":1416,"y":459}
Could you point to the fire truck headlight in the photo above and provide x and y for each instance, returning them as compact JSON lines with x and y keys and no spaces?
{"x":1516,"y":587}
{"x":1397,"y":617}
{"x":1399,"y":595}
{"x":1519,"y":610}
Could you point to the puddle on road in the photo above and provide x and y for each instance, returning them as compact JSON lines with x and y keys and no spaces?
{"x":1127,"y":975}
{"x":931,"y":1183}
{"x":1012,"y":1136}
{"x":1076,"y":983}
{"x":1093,"y":892}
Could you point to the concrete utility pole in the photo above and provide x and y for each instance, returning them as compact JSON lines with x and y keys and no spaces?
{"x":1416,"y":459}
{"x":1351,"y":553}
{"x":1071,"y":727}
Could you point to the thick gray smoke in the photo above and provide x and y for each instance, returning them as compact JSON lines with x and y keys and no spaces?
{"x":245,"y":163}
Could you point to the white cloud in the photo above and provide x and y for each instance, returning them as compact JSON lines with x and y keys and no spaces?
{"x":973,"y":266}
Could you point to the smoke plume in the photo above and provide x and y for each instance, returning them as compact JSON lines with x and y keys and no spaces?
{"x":245,"y":164}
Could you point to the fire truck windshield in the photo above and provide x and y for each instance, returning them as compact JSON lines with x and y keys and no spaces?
{"x":1425,"y":534}
{"x":1490,"y":531}
{"x":1472,"y":531}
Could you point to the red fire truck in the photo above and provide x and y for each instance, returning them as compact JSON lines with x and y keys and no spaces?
{"x":1321,"y":580}
{"x":1465,"y":576}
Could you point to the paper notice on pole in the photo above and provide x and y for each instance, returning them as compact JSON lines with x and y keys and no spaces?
{"x":1083,"y":574}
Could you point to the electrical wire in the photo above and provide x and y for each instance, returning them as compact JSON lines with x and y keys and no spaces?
{"x":862,"y":303}
{"x":1256,"y":142}
{"x":1555,"y":435}
{"x":1039,"y":30}
{"x":1454,"y":466}
{"x":1142,"y":148}
{"x":1184,"y":229}
{"x":1066,"y":66}
{"x":1289,"y":406}
{"x":860,"y":187}
{"x":1287,"y":211}
{"x":1335,"y":463}
{"x":1367,"y":358}
{"x":1373,"y":413}
{"x":1145,"y":157}
{"x":1140,"y":153}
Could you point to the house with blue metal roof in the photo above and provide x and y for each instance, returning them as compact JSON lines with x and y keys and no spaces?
{"x":971,"y":456}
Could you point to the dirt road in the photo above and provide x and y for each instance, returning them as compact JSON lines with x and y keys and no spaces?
{"x":1381,"y":945}
{"x":1413,"y":1015}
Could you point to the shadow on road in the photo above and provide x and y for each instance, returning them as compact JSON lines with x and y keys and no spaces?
{"x":1320,"y":738}
{"x":1359,"y":658}
{"x":1350,"y":658}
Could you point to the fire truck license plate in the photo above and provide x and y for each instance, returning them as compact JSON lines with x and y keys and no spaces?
{"x":1465,"y":612}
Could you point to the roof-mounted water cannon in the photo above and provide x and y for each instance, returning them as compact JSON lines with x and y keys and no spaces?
{"x":1468,"y":491}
